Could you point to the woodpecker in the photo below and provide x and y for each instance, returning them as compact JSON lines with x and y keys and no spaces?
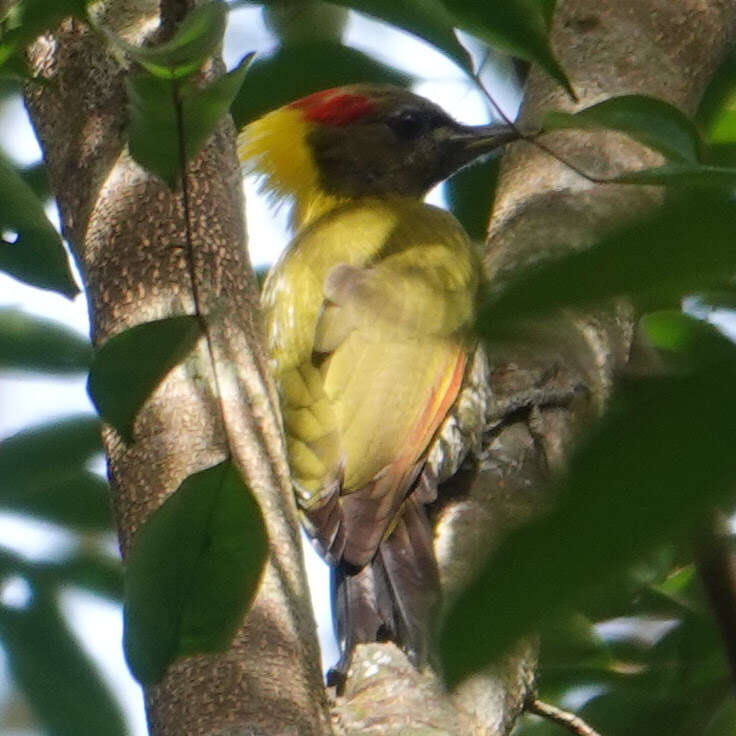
{"x":368,"y":318}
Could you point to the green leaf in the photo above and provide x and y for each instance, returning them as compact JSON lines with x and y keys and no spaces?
{"x":571,"y":642}
{"x":46,"y":456}
{"x":34,"y":344}
{"x":57,"y":679}
{"x":95,"y":573}
{"x":198,"y":37}
{"x":470,"y":196}
{"x":271,"y":83}
{"x":678,"y":336}
{"x":428,"y":19}
{"x":203,"y":108}
{"x":78,"y":499}
{"x":669,"y":330}
{"x":30,"y":248}
{"x":130,"y":365}
{"x":631,"y":711}
{"x":519,"y":27}
{"x":723,"y":154}
{"x":192,"y":571}
{"x":723,"y":129}
{"x":35,"y":174}
{"x":37,"y":178}
{"x":678,"y":584}
{"x":655,"y":123}
{"x":661,"y":601}
{"x":686,"y":672}
{"x":638,"y":479}
{"x":686,"y":246}
{"x":723,"y":722}
{"x":719,"y":95}
{"x":547,"y":8}
{"x":717,"y":110}
{"x":153,"y":134}
{"x":155,"y":128}
{"x":28,"y":19}
{"x":683,"y":175}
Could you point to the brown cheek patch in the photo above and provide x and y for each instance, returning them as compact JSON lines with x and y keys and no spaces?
{"x":332,"y":107}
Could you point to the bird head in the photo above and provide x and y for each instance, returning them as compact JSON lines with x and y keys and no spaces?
{"x":361,"y":140}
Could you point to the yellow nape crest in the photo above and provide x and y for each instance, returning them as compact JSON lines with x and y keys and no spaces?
{"x":275,"y":148}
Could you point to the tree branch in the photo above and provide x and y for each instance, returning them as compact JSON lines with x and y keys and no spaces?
{"x":126,"y":230}
{"x":574,"y":724}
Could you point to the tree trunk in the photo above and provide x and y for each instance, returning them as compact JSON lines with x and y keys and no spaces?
{"x":125,"y":229}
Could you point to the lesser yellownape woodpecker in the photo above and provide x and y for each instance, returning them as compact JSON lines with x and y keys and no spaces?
{"x":368,"y":315}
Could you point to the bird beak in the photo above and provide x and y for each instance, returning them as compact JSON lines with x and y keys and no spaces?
{"x":468,"y":142}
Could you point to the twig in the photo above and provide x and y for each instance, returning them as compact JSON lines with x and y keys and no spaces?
{"x":532,"y":138}
{"x":563,"y":718}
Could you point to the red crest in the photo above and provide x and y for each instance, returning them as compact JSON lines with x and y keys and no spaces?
{"x":334,"y":107}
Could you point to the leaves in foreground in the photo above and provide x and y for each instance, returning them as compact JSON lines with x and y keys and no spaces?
{"x":57,"y":679}
{"x":77,"y":499}
{"x":87,"y":570}
{"x":470,"y":195}
{"x":130,"y":365}
{"x":685,"y":247}
{"x":192,"y":571}
{"x":48,"y":453}
{"x":196,"y":39}
{"x":663,"y":128}
{"x":651,"y":121}
{"x":26,"y":20}
{"x":30,"y":248}
{"x":520,"y":27}
{"x":663,"y":453}
{"x":168,"y":117}
{"x":683,"y":175}
{"x":674,"y":685}
{"x":646,"y":657}
{"x":43,"y":472}
{"x":31,"y":343}
{"x":172,"y":117}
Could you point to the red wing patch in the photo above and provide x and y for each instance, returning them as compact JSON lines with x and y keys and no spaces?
{"x":436,"y":410}
{"x":333,"y":107}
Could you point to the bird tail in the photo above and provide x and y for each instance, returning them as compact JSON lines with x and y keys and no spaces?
{"x":394,"y":597}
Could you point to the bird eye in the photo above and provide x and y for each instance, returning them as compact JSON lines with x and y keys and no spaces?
{"x":408,"y":124}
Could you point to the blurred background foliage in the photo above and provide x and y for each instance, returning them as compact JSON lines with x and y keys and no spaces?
{"x":632,"y":644}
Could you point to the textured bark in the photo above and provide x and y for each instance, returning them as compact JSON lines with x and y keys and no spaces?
{"x":546,"y":387}
{"x":127,"y":231}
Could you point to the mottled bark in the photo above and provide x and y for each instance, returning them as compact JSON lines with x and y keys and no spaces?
{"x":127,"y":231}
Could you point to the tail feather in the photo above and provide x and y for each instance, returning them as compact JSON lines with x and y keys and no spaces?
{"x":362,"y":610}
{"x":395,"y":596}
{"x":411,"y":570}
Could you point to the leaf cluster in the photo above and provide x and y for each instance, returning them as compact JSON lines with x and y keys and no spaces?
{"x":607,"y":576}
